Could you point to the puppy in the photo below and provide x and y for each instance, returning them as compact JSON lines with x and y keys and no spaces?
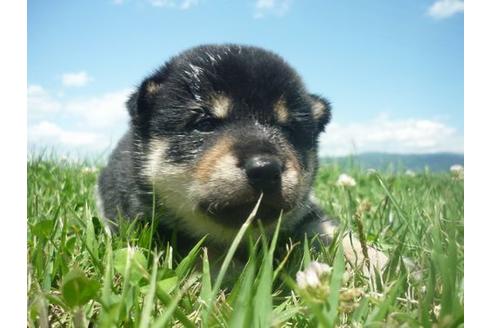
{"x":210,"y":131}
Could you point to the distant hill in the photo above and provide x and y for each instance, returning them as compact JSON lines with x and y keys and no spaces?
{"x":436,"y":162}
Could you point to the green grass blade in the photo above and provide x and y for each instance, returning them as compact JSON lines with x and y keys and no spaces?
{"x":228,"y":258}
{"x":262,"y":307}
{"x":185,"y":266}
{"x":169,"y":303}
{"x":379,"y":313}
{"x":206,"y":291}
{"x":172,"y":307}
{"x":392,"y":198}
{"x":335,"y":285}
{"x":306,"y":259}
{"x":242,"y":305}
{"x":149,"y":298}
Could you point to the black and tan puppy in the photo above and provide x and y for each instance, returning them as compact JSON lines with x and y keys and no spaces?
{"x":210,"y":131}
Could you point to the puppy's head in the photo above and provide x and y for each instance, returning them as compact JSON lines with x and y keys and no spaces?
{"x":219,"y":125}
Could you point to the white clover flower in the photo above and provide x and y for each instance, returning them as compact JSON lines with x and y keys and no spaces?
{"x":457,"y":171}
{"x":456,"y":168}
{"x":410,"y":173}
{"x":314,"y":281}
{"x":321,"y":269}
{"x":437,"y":310}
{"x":311,"y":279}
{"x":345,"y":180}
{"x":301,"y":280}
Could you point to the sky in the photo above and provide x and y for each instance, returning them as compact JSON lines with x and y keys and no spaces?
{"x":393,"y":70}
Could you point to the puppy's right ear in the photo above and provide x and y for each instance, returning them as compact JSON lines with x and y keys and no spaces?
{"x":321,"y":110}
{"x":141,"y":101}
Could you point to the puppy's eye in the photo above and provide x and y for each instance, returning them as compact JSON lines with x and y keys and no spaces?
{"x":205,"y":124}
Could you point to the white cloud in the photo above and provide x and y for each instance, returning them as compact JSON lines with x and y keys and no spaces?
{"x":78,"y":79}
{"x":446,"y":8}
{"x":40,"y":102}
{"x":49,"y":133}
{"x":91,"y":124}
{"x":103,"y":111}
{"x":186,"y":4}
{"x":383,"y":134}
{"x":98,"y":112}
{"x":276,"y":7}
{"x":162,"y":3}
{"x":183,"y":4}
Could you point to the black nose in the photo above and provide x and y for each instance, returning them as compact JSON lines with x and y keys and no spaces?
{"x":264,"y":172}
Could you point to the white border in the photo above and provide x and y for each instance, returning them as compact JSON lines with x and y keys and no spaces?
{"x":478,"y":108}
{"x":13,"y":192}
{"x":478,"y":160}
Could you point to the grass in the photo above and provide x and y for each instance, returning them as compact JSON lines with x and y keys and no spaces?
{"x":80,"y":276}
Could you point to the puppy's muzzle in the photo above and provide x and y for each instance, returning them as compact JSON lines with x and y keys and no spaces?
{"x":264,"y":172}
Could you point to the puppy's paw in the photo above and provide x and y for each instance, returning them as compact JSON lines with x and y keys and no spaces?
{"x":376,"y":260}
{"x":326,"y":229}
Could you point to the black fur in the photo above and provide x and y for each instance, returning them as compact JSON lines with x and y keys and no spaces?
{"x":171,"y":105}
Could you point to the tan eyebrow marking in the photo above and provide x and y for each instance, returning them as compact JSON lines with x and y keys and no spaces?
{"x":280,"y":109}
{"x":220,"y":106}
{"x":152,"y":87}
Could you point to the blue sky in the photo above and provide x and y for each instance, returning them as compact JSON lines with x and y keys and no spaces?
{"x":393,"y":70}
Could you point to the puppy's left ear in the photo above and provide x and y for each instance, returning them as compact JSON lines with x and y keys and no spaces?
{"x":142,"y":101}
{"x":321,"y":109}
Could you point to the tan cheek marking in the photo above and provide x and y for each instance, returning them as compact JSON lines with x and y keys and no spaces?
{"x":207,"y":163}
{"x":318,"y":110}
{"x":292,"y":161}
{"x":220,"y":106}
{"x":157,"y":149}
{"x":227,"y":170}
{"x":291,"y":176}
{"x":280,"y":109}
